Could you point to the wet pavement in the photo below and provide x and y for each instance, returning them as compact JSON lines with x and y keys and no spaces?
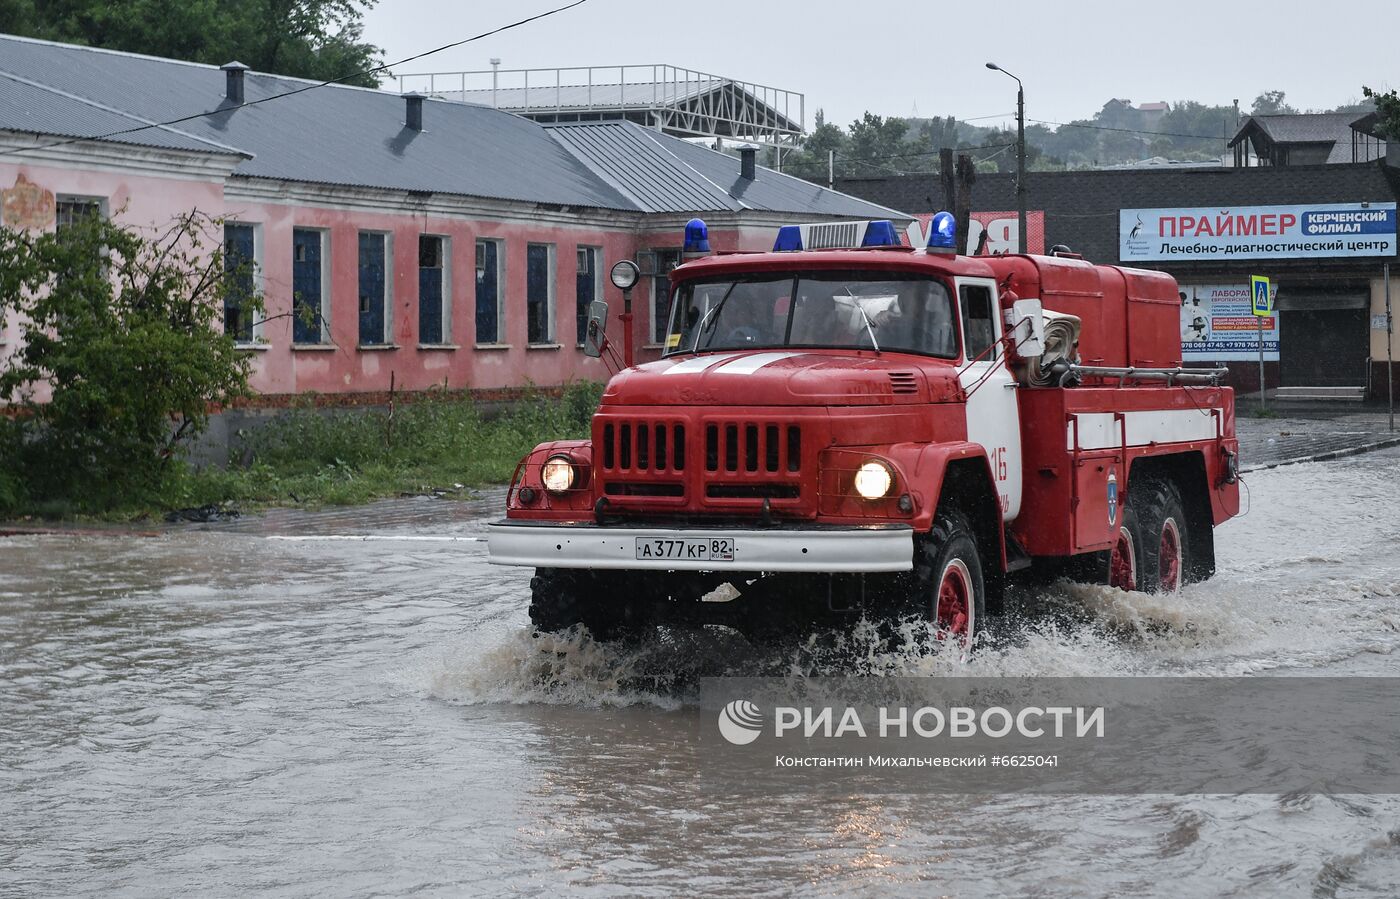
{"x":349,"y":702}
{"x":1269,"y":442}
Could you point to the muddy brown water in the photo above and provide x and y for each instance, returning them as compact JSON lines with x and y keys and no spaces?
{"x":217,"y":712}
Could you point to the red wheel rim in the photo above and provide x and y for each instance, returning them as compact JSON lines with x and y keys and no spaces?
{"x":1122,"y":564}
{"x":955,"y":610}
{"x":1169,"y":552}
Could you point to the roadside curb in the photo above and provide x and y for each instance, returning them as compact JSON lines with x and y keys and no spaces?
{"x":1329,"y":455}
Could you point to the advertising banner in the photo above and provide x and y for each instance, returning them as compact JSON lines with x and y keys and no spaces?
{"x":1324,"y":230}
{"x":1218,"y":323}
{"x":1002,"y":229}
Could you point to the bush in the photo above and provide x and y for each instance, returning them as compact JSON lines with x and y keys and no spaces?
{"x":121,"y":355}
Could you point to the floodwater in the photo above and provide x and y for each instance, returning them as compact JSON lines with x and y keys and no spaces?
{"x":211,"y":713}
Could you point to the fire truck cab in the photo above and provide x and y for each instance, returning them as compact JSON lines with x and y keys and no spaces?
{"x":850,"y":426}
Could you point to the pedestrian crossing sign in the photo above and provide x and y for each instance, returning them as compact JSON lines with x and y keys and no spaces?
{"x":1259,"y":291}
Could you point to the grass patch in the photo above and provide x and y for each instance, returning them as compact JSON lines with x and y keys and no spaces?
{"x":334,"y":457}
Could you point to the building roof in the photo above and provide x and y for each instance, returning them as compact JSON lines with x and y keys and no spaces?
{"x":1301,"y":128}
{"x":1081,"y":207}
{"x":661,"y":173}
{"x":356,"y":137}
{"x":38,"y":109}
{"x":1335,"y":129}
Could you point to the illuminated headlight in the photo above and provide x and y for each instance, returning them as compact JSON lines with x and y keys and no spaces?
{"x":874,"y":480}
{"x":558,"y":474}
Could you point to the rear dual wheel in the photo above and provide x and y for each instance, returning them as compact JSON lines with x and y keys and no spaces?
{"x":1150,"y":551}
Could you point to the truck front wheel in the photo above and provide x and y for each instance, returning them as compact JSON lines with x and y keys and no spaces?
{"x":948,"y":578}
{"x":562,"y":597}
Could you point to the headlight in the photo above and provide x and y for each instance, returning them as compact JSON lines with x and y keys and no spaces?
{"x":558,"y":474}
{"x":874,"y":479}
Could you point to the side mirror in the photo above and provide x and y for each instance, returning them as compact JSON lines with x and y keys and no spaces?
{"x":1026,"y":322}
{"x":596,"y":336}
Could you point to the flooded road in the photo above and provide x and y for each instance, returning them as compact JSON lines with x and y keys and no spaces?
{"x":222,"y":713}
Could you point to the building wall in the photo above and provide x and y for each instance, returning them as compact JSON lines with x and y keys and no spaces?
{"x":342,"y":365}
{"x":1378,"y":347}
{"x":149,"y":188}
{"x":147,"y":199}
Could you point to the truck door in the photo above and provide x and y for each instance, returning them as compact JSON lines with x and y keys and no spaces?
{"x":993,"y":419}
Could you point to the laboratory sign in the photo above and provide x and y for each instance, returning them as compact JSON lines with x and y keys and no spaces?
{"x":1324,"y":230}
{"x":1218,"y":323}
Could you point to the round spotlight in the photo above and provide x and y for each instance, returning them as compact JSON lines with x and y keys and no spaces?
{"x":625,"y":274}
{"x":558,"y":474}
{"x":874,"y":479}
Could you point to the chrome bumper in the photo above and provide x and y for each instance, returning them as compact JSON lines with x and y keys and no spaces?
{"x":821,"y":550}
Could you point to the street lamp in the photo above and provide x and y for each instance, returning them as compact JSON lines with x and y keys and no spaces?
{"x":1020,"y":155}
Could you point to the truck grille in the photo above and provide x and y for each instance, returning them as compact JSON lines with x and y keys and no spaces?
{"x":707,"y":464}
{"x":650,"y":446}
{"x":753,"y":447}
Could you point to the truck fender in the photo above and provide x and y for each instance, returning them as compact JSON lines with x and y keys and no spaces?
{"x":960,"y":474}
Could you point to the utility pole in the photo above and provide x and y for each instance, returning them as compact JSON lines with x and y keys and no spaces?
{"x":966,"y":172}
{"x":830,"y":169}
{"x":1389,"y":349}
{"x":1020,"y":156}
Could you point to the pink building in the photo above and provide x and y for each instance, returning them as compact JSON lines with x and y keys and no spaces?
{"x":436,"y":242}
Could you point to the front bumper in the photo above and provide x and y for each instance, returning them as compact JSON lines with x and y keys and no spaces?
{"x":874,"y":548}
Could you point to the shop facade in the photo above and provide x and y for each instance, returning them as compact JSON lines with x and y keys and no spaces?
{"x":1322,"y":233}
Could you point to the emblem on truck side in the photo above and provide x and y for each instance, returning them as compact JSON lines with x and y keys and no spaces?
{"x":1112,"y":496}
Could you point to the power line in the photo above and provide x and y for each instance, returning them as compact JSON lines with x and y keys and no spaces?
{"x":301,"y":90}
{"x":816,"y":163}
{"x":1126,"y":130}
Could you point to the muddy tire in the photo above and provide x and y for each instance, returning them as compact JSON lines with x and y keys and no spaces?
{"x":1165,"y":535}
{"x":948,"y":583}
{"x":1128,"y":555}
{"x":561,"y":598}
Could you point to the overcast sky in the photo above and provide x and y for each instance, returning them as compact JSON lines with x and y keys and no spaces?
{"x":895,"y":58}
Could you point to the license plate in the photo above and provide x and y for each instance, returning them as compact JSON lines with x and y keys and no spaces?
{"x":686,"y":549}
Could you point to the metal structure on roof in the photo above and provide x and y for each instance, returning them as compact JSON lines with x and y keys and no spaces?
{"x":670,"y":99}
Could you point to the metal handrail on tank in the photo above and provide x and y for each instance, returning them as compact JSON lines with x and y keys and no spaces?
{"x":1211,"y":376}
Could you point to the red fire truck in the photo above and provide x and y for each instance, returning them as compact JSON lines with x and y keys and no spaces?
{"x":853,"y":426}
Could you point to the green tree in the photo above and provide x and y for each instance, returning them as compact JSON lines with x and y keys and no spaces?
{"x":122,"y":354}
{"x":317,"y":39}
{"x":1271,"y":103}
{"x":1388,"y":108}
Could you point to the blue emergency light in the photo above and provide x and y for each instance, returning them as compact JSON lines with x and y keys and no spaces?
{"x":697,"y":237}
{"x":943,"y":233}
{"x":836,"y":235}
{"x":880,"y":234}
{"x":789,"y":238}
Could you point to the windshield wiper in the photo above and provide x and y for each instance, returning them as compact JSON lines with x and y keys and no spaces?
{"x":712,"y":313}
{"x":869,"y":329}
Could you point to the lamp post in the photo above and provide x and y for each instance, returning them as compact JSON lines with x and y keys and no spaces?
{"x":1020,"y":155}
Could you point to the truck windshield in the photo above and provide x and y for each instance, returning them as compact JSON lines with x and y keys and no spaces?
{"x":843,"y":310}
